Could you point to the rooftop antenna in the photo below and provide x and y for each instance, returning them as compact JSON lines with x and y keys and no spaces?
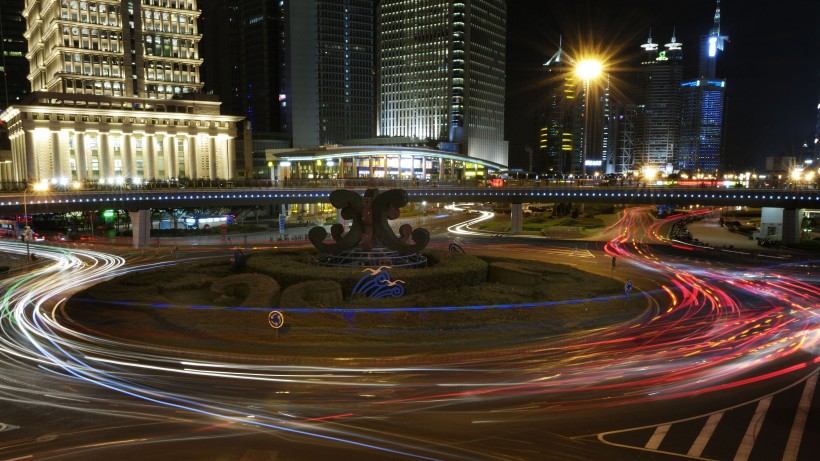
{"x":556,"y":58}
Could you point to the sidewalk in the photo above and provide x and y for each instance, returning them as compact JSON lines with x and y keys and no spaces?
{"x":710,"y":231}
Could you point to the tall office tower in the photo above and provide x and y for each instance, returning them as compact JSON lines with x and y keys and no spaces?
{"x":13,"y":48}
{"x":817,"y":137}
{"x":559,"y":143}
{"x":241,"y":45}
{"x":659,"y":81}
{"x":221,"y":50}
{"x":606,"y":127}
{"x":327,"y":81}
{"x":242,"y":48}
{"x":442,"y":73}
{"x":703,"y":109}
{"x":114,"y":95}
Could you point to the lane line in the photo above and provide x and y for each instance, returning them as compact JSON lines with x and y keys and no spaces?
{"x":656,"y":439}
{"x":749,"y":438}
{"x":796,"y":434}
{"x":705,"y":434}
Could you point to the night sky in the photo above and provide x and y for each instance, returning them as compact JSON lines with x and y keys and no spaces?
{"x":771,"y":63}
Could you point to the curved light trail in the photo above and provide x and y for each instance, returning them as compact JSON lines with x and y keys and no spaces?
{"x":704,"y":331}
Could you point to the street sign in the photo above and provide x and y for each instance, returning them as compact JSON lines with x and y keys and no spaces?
{"x":276,"y":319}
{"x":628,"y":286}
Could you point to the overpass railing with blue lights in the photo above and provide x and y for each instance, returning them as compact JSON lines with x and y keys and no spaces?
{"x":192,"y":194}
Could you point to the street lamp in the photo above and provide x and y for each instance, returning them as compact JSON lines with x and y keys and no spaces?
{"x":587,"y":69}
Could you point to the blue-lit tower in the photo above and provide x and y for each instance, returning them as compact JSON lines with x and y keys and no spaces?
{"x":703,"y":109}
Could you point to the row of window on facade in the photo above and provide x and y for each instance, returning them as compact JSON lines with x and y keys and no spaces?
{"x":117,"y":89}
{"x":94,"y":7}
{"x":129,"y":120}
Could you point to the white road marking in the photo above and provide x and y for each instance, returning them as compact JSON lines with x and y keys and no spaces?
{"x":705,"y":434}
{"x":749,"y":438}
{"x":796,"y":434}
{"x":656,"y":439}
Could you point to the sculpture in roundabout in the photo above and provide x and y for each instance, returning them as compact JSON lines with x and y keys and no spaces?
{"x":369,"y":241}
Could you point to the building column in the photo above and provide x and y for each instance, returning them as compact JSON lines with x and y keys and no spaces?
{"x":171,"y":162}
{"x":102,"y":153}
{"x":148,"y":154}
{"x":423,"y":167}
{"x":129,"y":168}
{"x":31,"y":158}
{"x":17,"y":149}
{"x":56,"y":155}
{"x":212,"y":157}
{"x":140,"y":227}
{"x":440,"y":168}
{"x":190,"y":162}
{"x":80,"y":156}
{"x":386,"y":169}
{"x":516,"y":217}
{"x":370,"y":160}
{"x":230,"y":161}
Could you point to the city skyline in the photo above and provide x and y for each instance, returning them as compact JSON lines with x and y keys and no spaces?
{"x":774,"y":122}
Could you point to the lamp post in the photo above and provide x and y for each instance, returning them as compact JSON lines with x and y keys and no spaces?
{"x":587,"y":69}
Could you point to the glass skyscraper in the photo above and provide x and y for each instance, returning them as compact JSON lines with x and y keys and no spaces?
{"x":703,"y":100}
{"x":442,"y":73}
{"x":660,"y":104}
{"x":327,"y":94}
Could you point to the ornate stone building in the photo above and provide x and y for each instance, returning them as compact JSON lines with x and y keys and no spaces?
{"x":115,"y":95}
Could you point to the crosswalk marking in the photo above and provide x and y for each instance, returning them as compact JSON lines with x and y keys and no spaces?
{"x":796,"y":434}
{"x":751,"y":432}
{"x":705,"y":434}
{"x":656,"y":439}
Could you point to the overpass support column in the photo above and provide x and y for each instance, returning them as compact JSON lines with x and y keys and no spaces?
{"x":791,"y":225}
{"x":516,"y":216}
{"x":141,"y":227}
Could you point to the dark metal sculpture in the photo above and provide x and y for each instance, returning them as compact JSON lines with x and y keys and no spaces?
{"x":369,"y":226}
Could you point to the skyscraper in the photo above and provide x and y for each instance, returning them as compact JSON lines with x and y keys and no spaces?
{"x":327,"y":82}
{"x":817,"y":137}
{"x":703,"y":109}
{"x":442,"y":73}
{"x":115,"y":96}
{"x":242,"y":50}
{"x":561,"y":126}
{"x":13,"y":48}
{"x":658,"y":122}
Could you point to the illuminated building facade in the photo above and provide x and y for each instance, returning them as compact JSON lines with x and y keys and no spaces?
{"x":702,"y":109}
{"x":442,"y":73}
{"x":561,"y":131}
{"x":327,"y":93}
{"x":658,"y":123}
{"x":115,"y":95}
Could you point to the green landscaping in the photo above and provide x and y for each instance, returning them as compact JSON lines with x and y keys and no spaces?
{"x":203,"y":307}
